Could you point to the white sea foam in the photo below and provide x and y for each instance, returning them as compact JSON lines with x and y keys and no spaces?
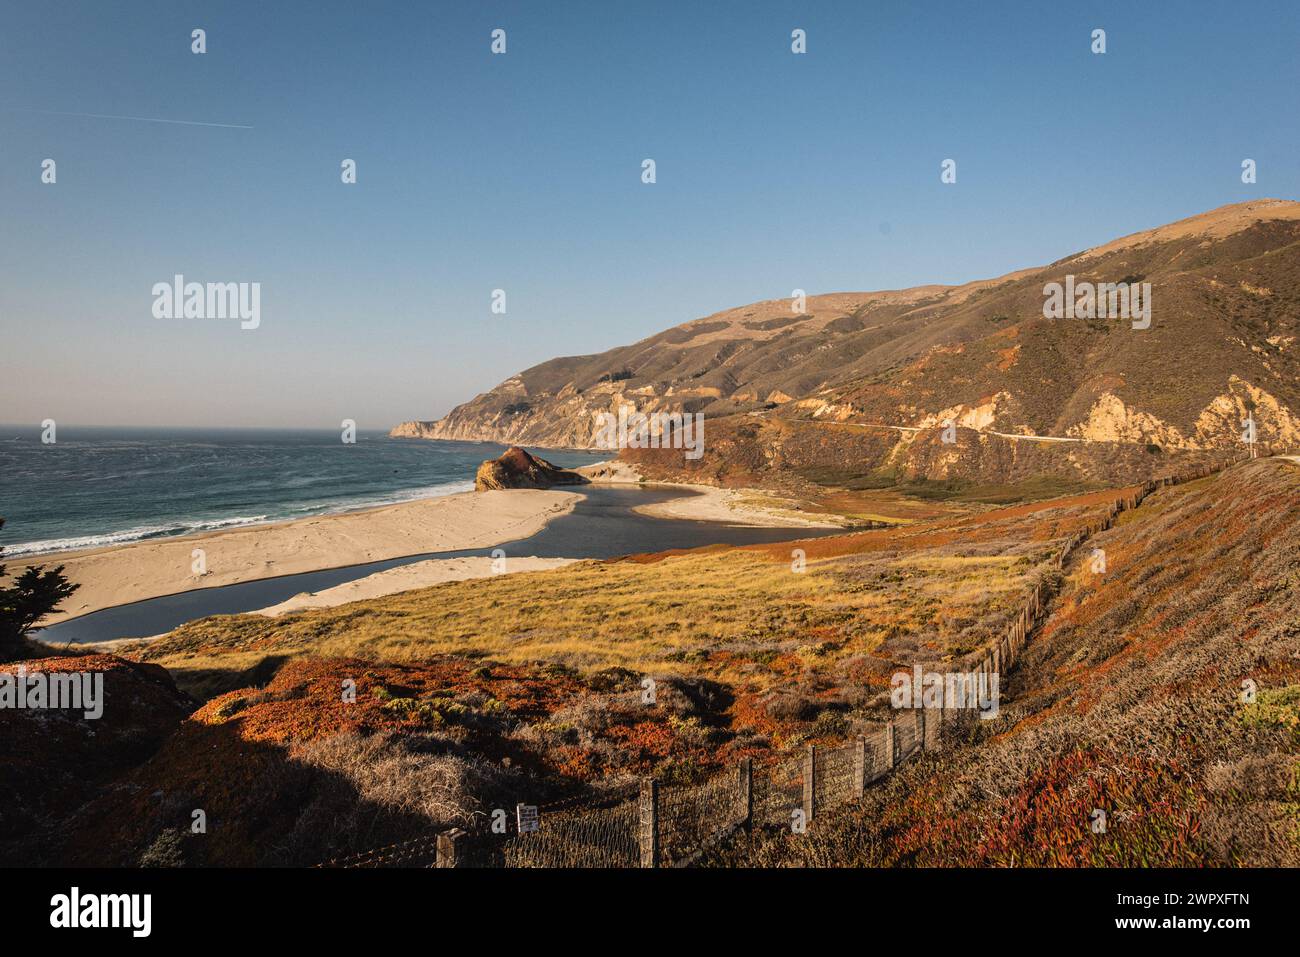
{"x":173,"y":529}
{"x":137,"y":534}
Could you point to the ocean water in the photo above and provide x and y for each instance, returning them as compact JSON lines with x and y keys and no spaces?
{"x":106,"y":486}
{"x":603,"y":524}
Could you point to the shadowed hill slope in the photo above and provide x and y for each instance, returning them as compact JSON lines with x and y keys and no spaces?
{"x":54,"y":759}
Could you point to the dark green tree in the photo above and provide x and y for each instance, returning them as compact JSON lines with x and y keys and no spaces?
{"x":25,"y":601}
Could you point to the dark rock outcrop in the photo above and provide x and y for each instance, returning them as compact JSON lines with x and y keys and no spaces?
{"x":518,"y":469}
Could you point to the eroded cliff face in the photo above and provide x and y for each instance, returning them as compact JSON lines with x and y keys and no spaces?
{"x":566,"y":418}
{"x":1110,"y":420}
{"x":1225,"y":295}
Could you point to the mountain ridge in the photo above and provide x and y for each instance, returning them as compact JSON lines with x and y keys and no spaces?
{"x":1225,"y":288}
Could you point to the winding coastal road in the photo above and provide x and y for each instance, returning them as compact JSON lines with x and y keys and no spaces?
{"x":1014,"y":436}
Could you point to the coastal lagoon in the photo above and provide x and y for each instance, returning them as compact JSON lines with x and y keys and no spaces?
{"x":602,"y":525}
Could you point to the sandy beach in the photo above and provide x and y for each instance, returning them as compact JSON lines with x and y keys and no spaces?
{"x":435,"y":571}
{"x":128,"y":573}
{"x":710,"y":504}
{"x":729,"y":506}
{"x":122,"y":574}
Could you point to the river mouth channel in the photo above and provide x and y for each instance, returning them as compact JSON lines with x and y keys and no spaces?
{"x":602,"y":525}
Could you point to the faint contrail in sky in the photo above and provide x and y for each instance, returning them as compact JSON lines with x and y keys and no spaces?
{"x":138,"y":119}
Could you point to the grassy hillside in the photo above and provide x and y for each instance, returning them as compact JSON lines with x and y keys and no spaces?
{"x":740,"y":616}
{"x":55,"y":760}
{"x":1130,"y":700}
{"x":475,"y":695}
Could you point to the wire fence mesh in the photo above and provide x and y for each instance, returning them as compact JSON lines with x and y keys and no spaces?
{"x":693,"y":818}
{"x":879,"y":756}
{"x":420,"y":852}
{"x":833,"y":775}
{"x":593,"y":837}
{"x":778,"y":791}
{"x":907,"y":736}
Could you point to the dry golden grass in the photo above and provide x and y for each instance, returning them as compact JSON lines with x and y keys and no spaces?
{"x":885,"y":505}
{"x":667,"y":617}
{"x":743,"y":616}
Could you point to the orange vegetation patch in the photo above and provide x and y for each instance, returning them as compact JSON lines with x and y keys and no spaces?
{"x":1152,"y":819}
{"x":750,"y":712}
{"x":476,"y":700}
{"x":305,"y":700}
{"x":650,"y":742}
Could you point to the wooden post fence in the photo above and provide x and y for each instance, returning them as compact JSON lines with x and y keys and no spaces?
{"x":810,"y":783}
{"x":745,"y":793}
{"x":447,"y":848}
{"x":931,"y":723}
{"x":648,"y":830}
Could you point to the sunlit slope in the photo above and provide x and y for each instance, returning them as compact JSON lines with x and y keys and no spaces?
{"x":1164,"y":693}
{"x":1221,"y":343}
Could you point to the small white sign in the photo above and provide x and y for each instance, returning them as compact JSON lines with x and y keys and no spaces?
{"x":526,"y":817}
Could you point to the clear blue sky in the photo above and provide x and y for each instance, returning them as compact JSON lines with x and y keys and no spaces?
{"x":522,"y":171}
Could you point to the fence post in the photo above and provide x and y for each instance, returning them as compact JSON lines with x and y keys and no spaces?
{"x":648,"y":832}
{"x":920,"y":717}
{"x":446,"y":850}
{"x":932,"y":721}
{"x":810,"y":783}
{"x":745,"y":792}
{"x":859,"y":766}
{"x":889,"y":744}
